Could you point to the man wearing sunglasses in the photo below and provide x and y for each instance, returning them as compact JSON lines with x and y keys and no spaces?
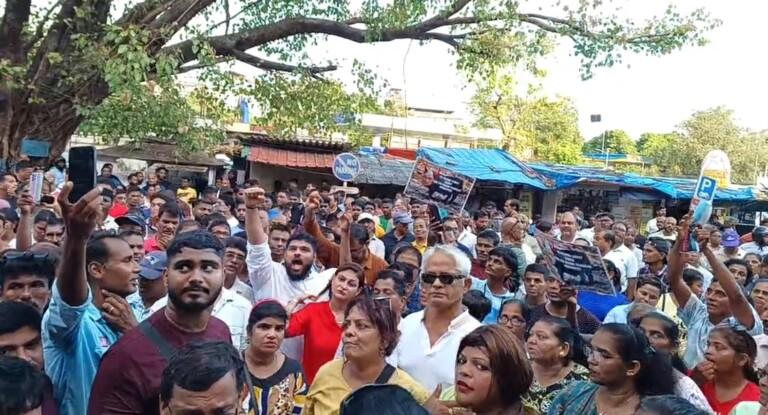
{"x":429,"y":339}
{"x":26,"y":277}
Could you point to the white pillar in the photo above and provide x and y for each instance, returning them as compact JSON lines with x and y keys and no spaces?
{"x":550,"y":202}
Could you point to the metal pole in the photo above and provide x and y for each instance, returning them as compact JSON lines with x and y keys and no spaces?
{"x":604,"y":153}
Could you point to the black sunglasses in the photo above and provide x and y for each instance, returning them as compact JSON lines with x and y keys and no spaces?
{"x":23,"y":256}
{"x":446,"y":279}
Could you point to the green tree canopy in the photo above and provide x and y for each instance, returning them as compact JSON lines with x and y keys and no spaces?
{"x":682,"y":152}
{"x":534,"y":127}
{"x":616,"y":142}
{"x":60,"y":60}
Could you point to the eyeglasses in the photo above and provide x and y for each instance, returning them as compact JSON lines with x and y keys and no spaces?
{"x":446,"y":279}
{"x":382,"y":302}
{"x":514,"y":320}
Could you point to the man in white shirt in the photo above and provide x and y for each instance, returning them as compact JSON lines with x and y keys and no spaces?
{"x":569,"y":227}
{"x":467,"y":237}
{"x":286,"y":281}
{"x":668,"y":232}
{"x":656,"y":224}
{"x":295,"y":277}
{"x":605,"y":241}
{"x":375,"y":245}
{"x":234,"y":263}
{"x":631,"y":265}
{"x":429,"y":339}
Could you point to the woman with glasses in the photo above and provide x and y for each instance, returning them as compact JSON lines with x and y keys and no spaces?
{"x":370,"y":335}
{"x":664,"y":336}
{"x":556,"y":352}
{"x":321,"y":323}
{"x":514,"y":316}
{"x":623,"y":369}
{"x":727,"y":375}
{"x":276,"y":383}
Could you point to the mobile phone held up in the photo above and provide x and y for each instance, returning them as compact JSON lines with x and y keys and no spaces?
{"x":82,"y":171}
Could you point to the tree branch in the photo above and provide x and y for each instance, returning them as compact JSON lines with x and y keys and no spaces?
{"x":39,"y":31}
{"x":278,"y":66}
{"x":144,"y":12}
{"x":15,"y":17}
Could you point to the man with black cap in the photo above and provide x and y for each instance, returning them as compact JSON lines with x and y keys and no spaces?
{"x":132,"y":222}
{"x":400,"y":233}
{"x":152,"y":285}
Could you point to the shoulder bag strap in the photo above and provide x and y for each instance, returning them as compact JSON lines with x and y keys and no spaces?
{"x":385,"y":375}
{"x":165,"y":349}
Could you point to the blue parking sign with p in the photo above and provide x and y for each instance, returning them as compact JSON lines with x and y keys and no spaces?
{"x":705,"y":189}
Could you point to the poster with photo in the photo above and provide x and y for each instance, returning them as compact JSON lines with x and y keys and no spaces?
{"x":577,"y":265}
{"x":442,"y":187}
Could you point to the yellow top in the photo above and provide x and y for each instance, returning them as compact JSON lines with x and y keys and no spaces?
{"x":329,"y":389}
{"x":186,"y":194}
{"x":420,"y":247}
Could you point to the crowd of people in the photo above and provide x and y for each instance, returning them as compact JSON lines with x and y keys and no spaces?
{"x":156,"y":297}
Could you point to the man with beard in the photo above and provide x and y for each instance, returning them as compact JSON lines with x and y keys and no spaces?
{"x":128,"y":380}
{"x":201,"y":208}
{"x":88,"y":311}
{"x":286,"y":281}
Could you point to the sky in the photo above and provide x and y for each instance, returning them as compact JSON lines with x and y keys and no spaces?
{"x":644,"y":94}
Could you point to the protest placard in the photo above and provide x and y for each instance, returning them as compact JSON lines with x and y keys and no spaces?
{"x":578,"y":266}
{"x":440,"y":186}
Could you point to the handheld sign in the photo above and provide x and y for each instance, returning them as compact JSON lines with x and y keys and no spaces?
{"x":439,"y":186}
{"x":346,"y":167}
{"x":701,"y":206}
{"x":578,"y":266}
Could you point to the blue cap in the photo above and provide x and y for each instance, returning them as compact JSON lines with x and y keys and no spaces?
{"x":153,"y":265}
{"x":731,"y":238}
{"x":402,"y":218}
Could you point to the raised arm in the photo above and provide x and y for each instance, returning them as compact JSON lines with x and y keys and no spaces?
{"x":739,"y":305}
{"x":327,"y":251}
{"x":254,"y":199}
{"x":675,"y":266}
{"x":26,"y":204}
{"x":80,"y":219}
{"x":345,"y":254}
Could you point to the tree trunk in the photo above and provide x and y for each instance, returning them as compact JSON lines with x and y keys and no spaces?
{"x":52,"y":119}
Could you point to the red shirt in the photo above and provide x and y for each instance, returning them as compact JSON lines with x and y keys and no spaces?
{"x":750,"y":393}
{"x":118,"y":210}
{"x":128,"y":380}
{"x":321,"y":332}
{"x":150,"y":245}
{"x":478,"y":270}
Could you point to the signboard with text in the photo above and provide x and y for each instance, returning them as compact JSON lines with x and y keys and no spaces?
{"x":346,"y":167}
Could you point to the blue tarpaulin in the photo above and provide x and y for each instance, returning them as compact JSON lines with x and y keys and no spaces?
{"x":493,"y":165}
{"x":672,"y":188}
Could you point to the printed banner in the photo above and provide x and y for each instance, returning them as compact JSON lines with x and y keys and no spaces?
{"x":577,"y":265}
{"x":442,"y":187}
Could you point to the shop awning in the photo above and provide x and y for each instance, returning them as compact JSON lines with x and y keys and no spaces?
{"x":669,"y":187}
{"x":291,"y":158}
{"x":491,"y":165}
